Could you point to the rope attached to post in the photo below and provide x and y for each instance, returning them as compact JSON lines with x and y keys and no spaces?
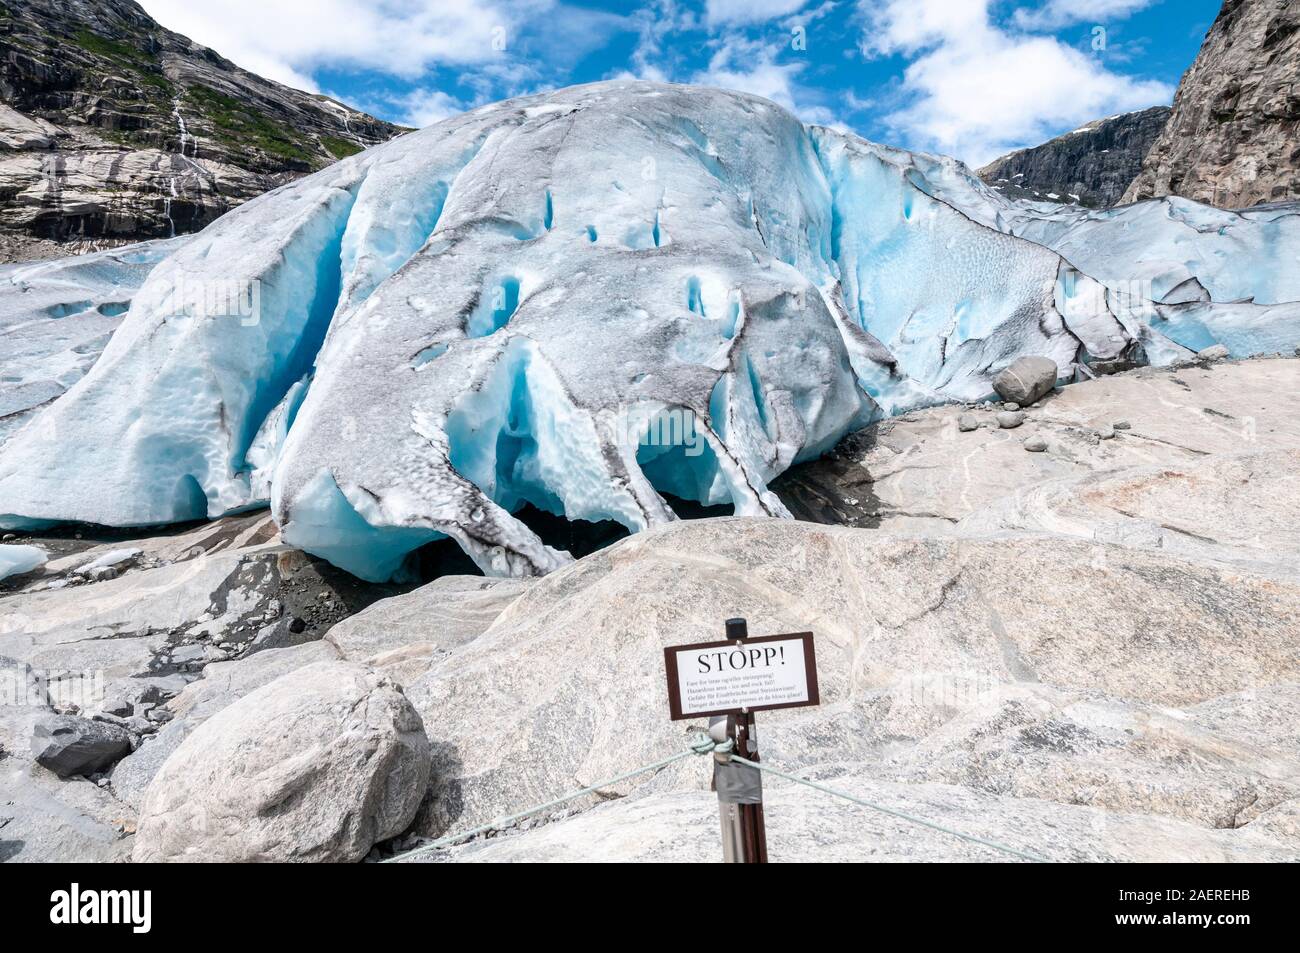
{"x":1023,"y":855}
{"x":700,"y":745}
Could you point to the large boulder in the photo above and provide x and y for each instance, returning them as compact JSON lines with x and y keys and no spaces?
{"x":68,"y":745}
{"x":222,"y":684}
{"x":1026,"y":379}
{"x":317,"y":765}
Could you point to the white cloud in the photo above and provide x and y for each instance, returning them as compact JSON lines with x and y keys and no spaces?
{"x":656,"y":57}
{"x":763,"y":79}
{"x":750,"y":66}
{"x":288,"y":40}
{"x":650,"y":73}
{"x":976,"y":91}
{"x":749,"y":11}
{"x":1058,"y":13}
{"x":424,"y":107}
{"x":906,"y":26}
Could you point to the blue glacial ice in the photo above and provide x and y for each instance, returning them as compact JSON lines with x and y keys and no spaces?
{"x":592,"y":302}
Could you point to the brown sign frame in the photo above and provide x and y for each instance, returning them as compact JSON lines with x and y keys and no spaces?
{"x":674,"y":678}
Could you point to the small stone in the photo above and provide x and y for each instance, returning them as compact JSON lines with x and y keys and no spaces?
{"x":161,"y":689}
{"x":68,"y":745}
{"x":187,"y":653}
{"x":1122,"y":425}
{"x":1106,"y":432}
{"x":297,"y":625}
{"x":1216,"y":352}
{"x":968,"y":422}
{"x":109,"y":719}
{"x":1011,"y":405}
{"x":1010,"y":419}
{"x":1035,"y":444}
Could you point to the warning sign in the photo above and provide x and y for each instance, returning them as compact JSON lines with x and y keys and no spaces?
{"x":723,"y":678}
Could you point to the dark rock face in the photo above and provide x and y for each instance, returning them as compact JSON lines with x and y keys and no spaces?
{"x":114,"y":129}
{"x":1091,"y":166}
{"x":835,"y":488}
{"x":1234,"y":137}
{"x":68,"y":745}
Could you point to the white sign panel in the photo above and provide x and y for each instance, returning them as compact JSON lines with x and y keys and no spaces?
{"x":717,"y":678}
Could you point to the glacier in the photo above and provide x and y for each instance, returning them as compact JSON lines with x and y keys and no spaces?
{"x":594,"y":303}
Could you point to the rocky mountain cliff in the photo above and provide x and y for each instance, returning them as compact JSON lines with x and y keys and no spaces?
{"x":1234,"y":137}
{"x":115,"y":129}
{"x":1091,"y":166}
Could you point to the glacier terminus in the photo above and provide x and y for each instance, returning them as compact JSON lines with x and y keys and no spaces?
{"x":593,"y":302}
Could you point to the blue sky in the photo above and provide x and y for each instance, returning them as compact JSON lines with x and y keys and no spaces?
{"x":971,"y":78}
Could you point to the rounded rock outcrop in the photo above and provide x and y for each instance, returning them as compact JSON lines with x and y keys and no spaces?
{"x":317,"y":765}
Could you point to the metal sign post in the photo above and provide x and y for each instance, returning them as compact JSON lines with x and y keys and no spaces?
{"x":730,"y":681}
{"x":733,"y":835}
{"x":744,"y":734}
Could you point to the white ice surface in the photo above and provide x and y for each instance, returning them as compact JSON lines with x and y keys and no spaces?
{"x":109,"y":559}
{"x":1168,"y":245}
{"x":20,"y":559}
{"x":57,"y":316}
{"x":596,"y":300}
